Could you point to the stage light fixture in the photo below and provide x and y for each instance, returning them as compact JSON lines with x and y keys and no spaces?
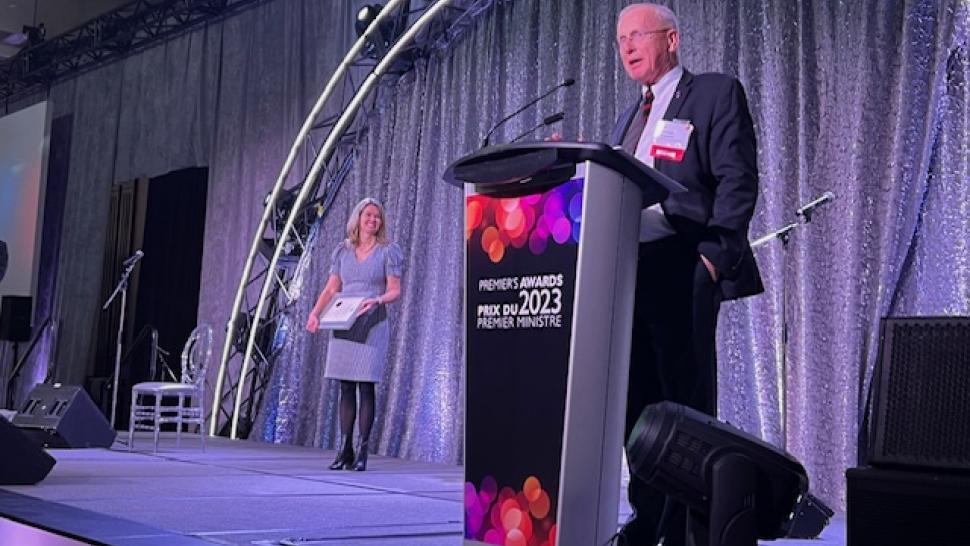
{"x":736,"y":487}
{"x":389,"y":30}
{"x":366,"y":16}
{"x":34,"y":34}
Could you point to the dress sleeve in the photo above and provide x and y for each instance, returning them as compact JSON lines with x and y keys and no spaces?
{"x":394,"y":261}
{"x":335,"y":258}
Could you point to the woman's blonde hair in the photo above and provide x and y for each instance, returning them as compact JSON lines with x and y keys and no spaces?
{"x":353,"y":223}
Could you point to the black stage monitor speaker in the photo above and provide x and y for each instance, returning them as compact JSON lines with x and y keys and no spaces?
{"x":21,"y":462}
{"x":63,"y":416}
{"x":15,"y":318}
{"x":921,"y":394}
{"x":906,"y":508}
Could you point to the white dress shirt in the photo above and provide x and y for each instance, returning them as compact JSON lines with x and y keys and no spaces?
{"x":653,"y":224}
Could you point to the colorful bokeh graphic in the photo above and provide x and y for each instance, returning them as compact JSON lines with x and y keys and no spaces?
{"x":534,"y":221}
{"x":508,"y":517}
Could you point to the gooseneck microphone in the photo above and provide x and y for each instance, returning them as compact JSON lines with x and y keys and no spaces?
{"x":546,"y":121}
{"x":806,"y":210}
{"x":565,"y":83}
{"x":133,"y":259}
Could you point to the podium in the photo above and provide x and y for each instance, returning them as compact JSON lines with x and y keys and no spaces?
{"x":551,"y":233}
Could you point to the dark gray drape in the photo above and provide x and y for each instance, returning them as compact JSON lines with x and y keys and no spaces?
{"x":867,"y":99}
{"x":231,"y":96}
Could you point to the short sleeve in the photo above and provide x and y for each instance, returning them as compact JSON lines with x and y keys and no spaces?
{"x":393,"y":261}
{"x":336,"y":256}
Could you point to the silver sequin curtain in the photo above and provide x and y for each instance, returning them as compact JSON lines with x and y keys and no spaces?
{"x":865,"y":99}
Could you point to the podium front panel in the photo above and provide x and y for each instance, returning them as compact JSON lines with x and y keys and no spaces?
{"x":521,"y":275}
{"x":548,"y":303}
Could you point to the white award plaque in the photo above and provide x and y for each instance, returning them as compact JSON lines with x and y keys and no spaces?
{"x":341,"y":312}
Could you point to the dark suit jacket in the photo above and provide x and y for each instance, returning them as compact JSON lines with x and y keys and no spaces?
{"x":720,"y":171}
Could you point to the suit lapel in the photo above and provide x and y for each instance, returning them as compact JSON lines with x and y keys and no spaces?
{"x":673,"y":109}
{"x":680,"y":95}
{"x":676,"y":102}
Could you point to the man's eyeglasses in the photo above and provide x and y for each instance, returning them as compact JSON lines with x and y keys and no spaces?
{"x":638,"y":36}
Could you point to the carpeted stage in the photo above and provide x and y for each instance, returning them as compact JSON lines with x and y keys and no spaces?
{"x":240,"y":492}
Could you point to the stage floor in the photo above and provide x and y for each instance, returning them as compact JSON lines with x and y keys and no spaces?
{"x":240,"y":492}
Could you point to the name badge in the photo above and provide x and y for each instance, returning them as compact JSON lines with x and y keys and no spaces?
{"x":670,"y":139}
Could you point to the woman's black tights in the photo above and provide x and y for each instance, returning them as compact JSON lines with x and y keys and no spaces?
{"x":348,"y":411}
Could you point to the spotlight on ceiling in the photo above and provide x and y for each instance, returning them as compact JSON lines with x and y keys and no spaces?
{"x":736,"y":487}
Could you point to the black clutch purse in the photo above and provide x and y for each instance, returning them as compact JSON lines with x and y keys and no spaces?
{"x":362,"y":326}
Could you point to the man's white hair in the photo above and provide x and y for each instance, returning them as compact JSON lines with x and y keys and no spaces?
{"x":662,"y":12}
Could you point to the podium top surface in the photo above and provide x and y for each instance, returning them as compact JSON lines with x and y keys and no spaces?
{"x":541,"y":163}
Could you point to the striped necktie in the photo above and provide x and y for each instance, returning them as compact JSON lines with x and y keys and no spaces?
{"x":632,"y":137}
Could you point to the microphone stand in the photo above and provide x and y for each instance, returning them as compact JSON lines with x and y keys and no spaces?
{"x":784,"y":234}
{"x":121,"y":288}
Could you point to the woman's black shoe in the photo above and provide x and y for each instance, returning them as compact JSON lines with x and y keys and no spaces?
{"x":345,"y":458}
{"x":360,"y":464}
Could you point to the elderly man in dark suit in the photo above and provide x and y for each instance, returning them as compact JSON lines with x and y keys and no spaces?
{"x":694,"y":249}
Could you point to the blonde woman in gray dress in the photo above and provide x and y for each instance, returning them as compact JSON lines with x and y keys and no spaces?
{"x":367,"y":264}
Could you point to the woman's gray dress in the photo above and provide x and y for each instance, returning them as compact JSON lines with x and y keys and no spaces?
{"x":363,"y":360}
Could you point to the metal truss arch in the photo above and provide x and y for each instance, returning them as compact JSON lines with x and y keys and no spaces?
{"x":246,"y":358}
